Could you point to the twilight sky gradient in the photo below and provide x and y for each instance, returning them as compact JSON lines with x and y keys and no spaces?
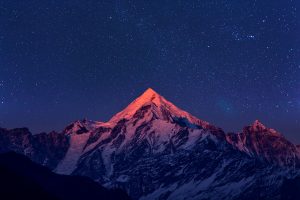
{"x":227,"y":62}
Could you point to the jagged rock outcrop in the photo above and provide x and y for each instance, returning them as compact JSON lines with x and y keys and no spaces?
{"x":265,"y":143}
{"x":47,"y":149}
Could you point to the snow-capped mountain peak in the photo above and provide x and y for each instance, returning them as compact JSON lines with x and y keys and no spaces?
{"x":152,"y":105}
{"x":149,"y":97}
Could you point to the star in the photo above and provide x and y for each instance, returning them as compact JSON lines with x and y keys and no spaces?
{"x":91,"y":59}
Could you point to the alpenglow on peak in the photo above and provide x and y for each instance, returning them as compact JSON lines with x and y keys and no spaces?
{"x":158,"y":106}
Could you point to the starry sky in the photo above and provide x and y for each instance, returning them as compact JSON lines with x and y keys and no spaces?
{"x":228,"y":62}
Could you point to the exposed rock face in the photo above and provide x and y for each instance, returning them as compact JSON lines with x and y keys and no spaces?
{"x":154,"y":150}
{"x":45,"y":149}
{"x":268,"y":144}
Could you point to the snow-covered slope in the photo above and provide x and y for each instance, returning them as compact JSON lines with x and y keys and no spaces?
{"x":68,"y":164}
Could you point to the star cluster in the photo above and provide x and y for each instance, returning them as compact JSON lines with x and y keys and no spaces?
{"x":227,"y":62}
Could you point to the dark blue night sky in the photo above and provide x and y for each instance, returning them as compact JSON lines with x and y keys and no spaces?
{"x":227,"y":62}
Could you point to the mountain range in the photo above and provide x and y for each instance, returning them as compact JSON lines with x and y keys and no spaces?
{"x":155,"y":150}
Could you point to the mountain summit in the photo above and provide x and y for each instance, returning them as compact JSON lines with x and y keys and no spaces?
{"x":266,"y":143}
{"x":151,"y":105}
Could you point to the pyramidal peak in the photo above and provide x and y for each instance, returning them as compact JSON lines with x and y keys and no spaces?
{"x":147,"y":97}
{"x":149,"y":91}
{"x":160,"y":107}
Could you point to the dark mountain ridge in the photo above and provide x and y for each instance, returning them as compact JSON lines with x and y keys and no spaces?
{"x":21,"y":178}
